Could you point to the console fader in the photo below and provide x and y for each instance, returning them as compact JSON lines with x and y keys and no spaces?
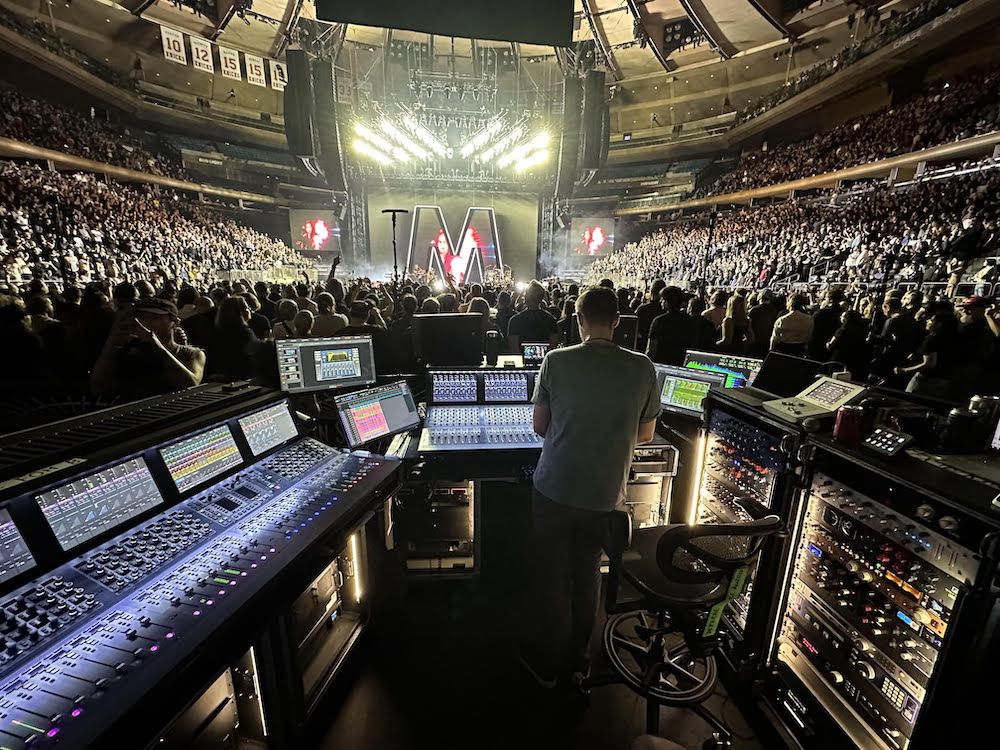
{"x":86,"y":642}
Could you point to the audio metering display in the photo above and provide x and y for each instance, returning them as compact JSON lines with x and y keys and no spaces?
{"x":682,"y":390}
{"x":316,"y":364}
{"x":268,"y":428}
{"x":93,"y":504}
{"x":15,"y":557}
{"x":197,"y":459}
{"x":377,"y":412}
{"x":739,"y":371}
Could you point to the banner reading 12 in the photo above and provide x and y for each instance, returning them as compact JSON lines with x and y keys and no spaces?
{"x":431,"y":246}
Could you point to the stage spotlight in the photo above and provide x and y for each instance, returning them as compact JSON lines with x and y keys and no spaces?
{"x":520,"y":286}
{"x":423,"y":135}
{"x":401,"y":138}
{"x":532,"y":160}
{"x":438,"y":286}
{"x":371,"y":151}
{"x":518,"y":154}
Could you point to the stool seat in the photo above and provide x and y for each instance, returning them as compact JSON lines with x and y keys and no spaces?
{"x":641,"y":569}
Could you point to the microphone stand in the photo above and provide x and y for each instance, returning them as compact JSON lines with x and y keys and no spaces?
{"x":395,"y":259}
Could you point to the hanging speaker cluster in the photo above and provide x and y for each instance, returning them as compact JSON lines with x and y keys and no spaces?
{"x":310,"y":110}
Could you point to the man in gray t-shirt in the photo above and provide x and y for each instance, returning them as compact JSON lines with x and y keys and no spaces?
{"x":594,"y":403}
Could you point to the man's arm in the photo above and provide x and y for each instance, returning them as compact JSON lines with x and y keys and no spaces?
{"x":541,"y":417}
{"x":644,"y":435}
{"x":650,"y":410}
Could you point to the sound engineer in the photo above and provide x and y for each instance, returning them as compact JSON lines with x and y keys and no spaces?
{"x":593,"y":403}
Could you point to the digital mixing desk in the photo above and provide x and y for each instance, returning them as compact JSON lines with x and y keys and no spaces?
{"x":139,"y":562}
{"x":475,"y":410}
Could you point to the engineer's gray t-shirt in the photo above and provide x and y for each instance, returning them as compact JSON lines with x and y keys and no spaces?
{"x":598,"y":393}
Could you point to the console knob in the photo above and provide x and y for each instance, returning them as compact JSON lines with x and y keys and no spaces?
{"x":866,"y":670}
{"x":924,"y":511}
{"x":922,"y":617}
{"x":836,"y":677}
{"x":948,"y":523}
{"x":907,"y":656}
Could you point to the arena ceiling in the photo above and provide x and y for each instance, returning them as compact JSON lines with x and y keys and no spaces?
{"x":737,"y":50}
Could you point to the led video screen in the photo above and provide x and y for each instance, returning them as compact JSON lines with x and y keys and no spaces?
{"x":591,"y":236}
{"x":432,"y":248}
{"x":314,"y":232}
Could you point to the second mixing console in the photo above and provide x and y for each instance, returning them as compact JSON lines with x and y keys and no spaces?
{"x":480,"y":410}
{"x":84,"y":642}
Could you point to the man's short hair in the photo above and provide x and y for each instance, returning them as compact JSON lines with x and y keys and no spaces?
{"x":673,"y":297}
{"x":607,"y":284}
{"x":598,"y":305}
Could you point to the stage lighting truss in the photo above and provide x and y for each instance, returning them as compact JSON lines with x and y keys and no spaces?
{"x":483,"y":137}
{"x":390,"y":144}
{"x":423,"y":135}
{"x":503,"y":144}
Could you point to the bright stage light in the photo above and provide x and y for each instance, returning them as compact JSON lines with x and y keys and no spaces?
{"x":373,"y":138}
{"x":438,"y":286}
{"x":402,"y":139}
{"x":424,"y":136}
{"x":517,"y":154}
{"x":503,"y":144}
{"x":520,"y":286}
{"x":532,"y":160}
{"x":363,"y":147}
{"x":481,"y":138}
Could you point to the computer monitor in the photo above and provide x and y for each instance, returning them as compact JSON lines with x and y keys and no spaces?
{"x":448,"y":339}
{"x":682,"y":389}
{"x":318,"y":364}
{"x":739,"y":371}
{"x":785,"y":374}
{"x":625,"y":334}
{"x":377,"y":412}
{"x":92,"y":504}
{"x":533,"y":354}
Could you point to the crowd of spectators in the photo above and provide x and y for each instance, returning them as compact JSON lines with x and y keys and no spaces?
{"x":31,"y":120}
{"x":129,"y":340}
{"x":55,"y":225}
{"x":879,"y":32}
{"x":933,"y":231}
{"x":947,"y":110}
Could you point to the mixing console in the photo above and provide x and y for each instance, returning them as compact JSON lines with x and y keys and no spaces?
{"x":456,"y":428}
{"x":872,"y":592}
{"x":82,"y":645}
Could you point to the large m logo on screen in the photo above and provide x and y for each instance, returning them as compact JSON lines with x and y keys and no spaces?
{"x":433,"y":249}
